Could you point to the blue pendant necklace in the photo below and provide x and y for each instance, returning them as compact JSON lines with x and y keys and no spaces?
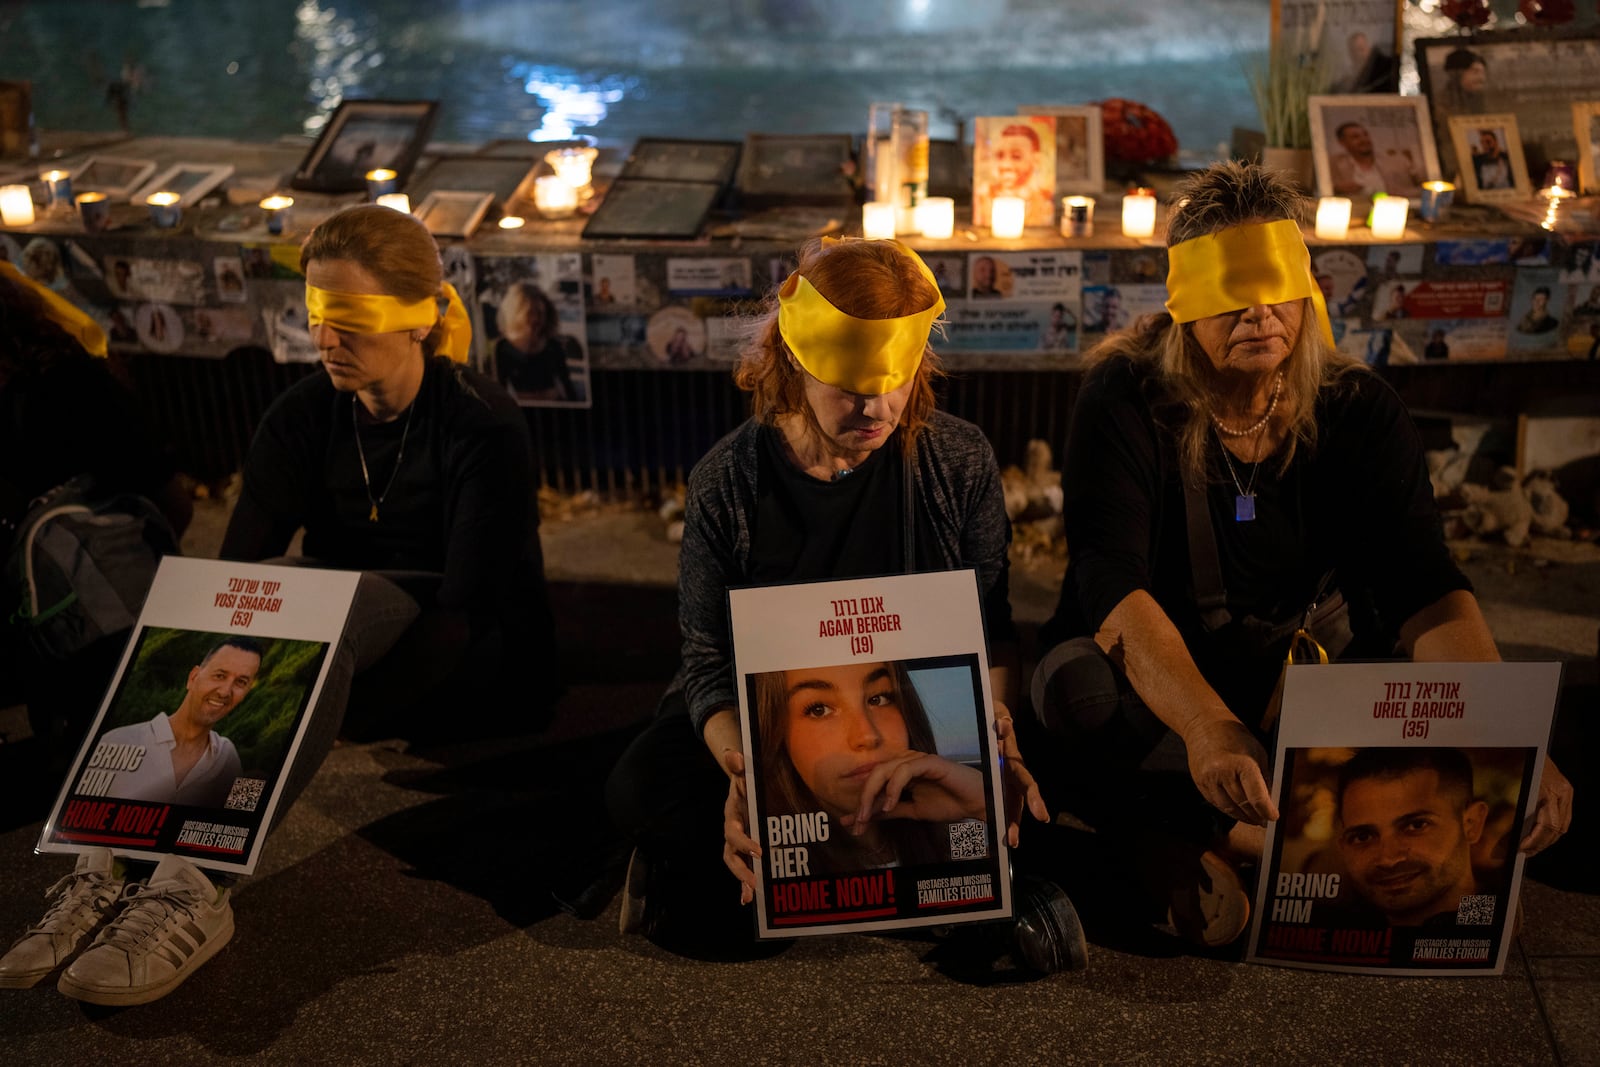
{"x":1244,"y":504}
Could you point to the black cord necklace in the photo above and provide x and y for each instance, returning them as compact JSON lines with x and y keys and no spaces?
{"x":366,"y":479}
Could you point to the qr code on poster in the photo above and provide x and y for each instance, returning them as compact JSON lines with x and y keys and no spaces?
{"x":969,"y":840}
{"x":1476,"y":909}
{"x":245,"y":794}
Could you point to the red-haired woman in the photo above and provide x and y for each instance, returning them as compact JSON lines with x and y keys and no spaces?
{"x":846,"y":467}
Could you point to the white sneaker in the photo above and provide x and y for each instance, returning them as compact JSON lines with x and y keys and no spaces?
{"x":168,"y":927}
{"x":79,"y":902}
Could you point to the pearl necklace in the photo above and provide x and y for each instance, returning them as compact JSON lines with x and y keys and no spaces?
{"x":1259,"y":424}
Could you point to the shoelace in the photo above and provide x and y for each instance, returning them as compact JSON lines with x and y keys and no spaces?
{"x":71,"y":890}
{"x":147,"y":912}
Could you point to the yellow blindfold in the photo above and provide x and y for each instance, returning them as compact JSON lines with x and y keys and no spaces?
{"x":1264,"y":263}
{"x":377,"y":313}
{"x":62,"y":312}
{"x":865,"y":356}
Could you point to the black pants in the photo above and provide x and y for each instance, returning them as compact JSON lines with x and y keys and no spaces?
{"x":666,"y":795}
{"x":1126,"y":772}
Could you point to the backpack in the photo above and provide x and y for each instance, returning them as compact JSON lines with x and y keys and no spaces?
{"x":80,"y":565}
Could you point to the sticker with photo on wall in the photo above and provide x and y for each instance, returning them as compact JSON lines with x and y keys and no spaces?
{"x":1342,"y":276}
{"x":1536,"y":307}
{"x":1580,"y":262}
{"x":676,"y":336}
{"x":1474,"y":253}
{"x":229,"y":274}
{"x":535,"y":338}
{"x":1463,"y":340}
{"x":1394,"y":261}
{"x":611,"y":283}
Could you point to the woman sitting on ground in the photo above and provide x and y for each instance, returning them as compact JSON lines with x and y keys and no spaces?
{"x":402,"y":463}
{"x":1225,"y":469}
{"x":815,"y":485}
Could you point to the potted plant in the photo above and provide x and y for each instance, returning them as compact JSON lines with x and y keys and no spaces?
{"x":1296,"y":69}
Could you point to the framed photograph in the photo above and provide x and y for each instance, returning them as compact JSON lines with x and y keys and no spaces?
{"x":364,"y":135}
{"x":115,"y":176}
{"x":1080,"y":147}
{"x":1362,"y":145}
{"x":1533,"y":73}
{"x":1489,"y":158}
{"x":798,"y":169}
{"x":1586,"y":129}
{"x":453,"y":213}
{"x":653,"y":209}
{"x":501,"y":177}
{"x":1358,"y":40}
{"x":1014,"y":155}
{"x":667,"y":159}
{"x":190,"y":181}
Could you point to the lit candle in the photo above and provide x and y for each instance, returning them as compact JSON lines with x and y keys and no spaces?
{"x":95,"y":211}
{"x":58,"y":187}
{"x":1007,"y":216}
{"x":1389,"y":217}
{"x":936,"y":217}
{"x":277,"y":209}
{"x":164,"y":209}
{"x":380,"y":182}
{"x":1077,"y":216}
{"x":575,"y":166}
{"x":554,"y":198}
{"x":1436,"y":197}
{"x":16,"y":205}
{"x":512,"y":222}
{"x":877,"y":220}
{"x":1333,"y":218}
{"x":1560,"y":179}
{"x":1139,"y":214}
{"x":397,"y":201}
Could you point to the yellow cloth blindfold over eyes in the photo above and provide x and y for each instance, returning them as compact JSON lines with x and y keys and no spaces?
{"x":377,"y":313}
{"x":62,"y":312}
{"x":864,"y":356}
{"x":1264,"y":263}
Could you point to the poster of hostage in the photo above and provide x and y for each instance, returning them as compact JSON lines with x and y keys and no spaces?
{"x":188,"y":753}
{"x":870,"y":756}
{"x":1402,"y":791}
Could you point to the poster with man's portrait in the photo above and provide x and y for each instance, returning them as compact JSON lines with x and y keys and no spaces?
{"x":193,"y":742}
{"x":1404,"y":790}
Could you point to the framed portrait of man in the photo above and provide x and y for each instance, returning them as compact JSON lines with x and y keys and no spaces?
{"x":1489,"y":158}
{"x":1365,"y":145}
{"x":365,"y":135}
{"x":1531,"y":72}
{"x":1356,"y":40}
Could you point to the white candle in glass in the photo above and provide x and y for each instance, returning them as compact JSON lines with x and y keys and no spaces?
{"x":1139,"y":214}
{"x":554,"y":197}
{"x":575,"y":166}
{"x":1007,"y":216}
{"x":16,"y":205}
{"x":877,"y":220}
{"x":1333,"y":218}
{"x":1389,"y":217}
{"x":936,"y":217}
{"x":398,"y":201}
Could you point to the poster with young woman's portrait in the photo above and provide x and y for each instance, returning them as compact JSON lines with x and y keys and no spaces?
{"x":870,"y":754}
{"x":534,"y":340}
